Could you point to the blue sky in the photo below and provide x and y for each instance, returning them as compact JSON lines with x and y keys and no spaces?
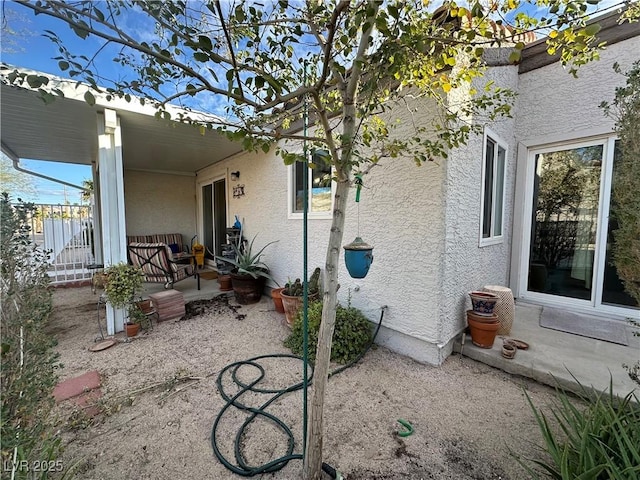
{"x":26,"y":47}
{"x":30,"y":49}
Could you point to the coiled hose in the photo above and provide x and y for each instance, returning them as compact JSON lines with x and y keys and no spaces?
{"x":241,"y":467}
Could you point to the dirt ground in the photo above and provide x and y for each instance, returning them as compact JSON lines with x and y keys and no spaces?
{"x":161,"y":400}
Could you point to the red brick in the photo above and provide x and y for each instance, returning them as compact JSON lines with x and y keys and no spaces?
{"x":75,"y":386}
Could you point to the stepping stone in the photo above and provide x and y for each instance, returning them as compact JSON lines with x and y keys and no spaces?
{"x":76,"y":386}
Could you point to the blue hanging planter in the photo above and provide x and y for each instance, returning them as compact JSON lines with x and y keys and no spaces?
{"x":358,"y":256}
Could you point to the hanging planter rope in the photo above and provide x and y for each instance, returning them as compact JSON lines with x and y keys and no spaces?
{"x":358,"y":255}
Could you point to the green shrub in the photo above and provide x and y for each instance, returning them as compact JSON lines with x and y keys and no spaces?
{"x":352,"y":334}
{"x":599,"y":441}
{"x":625,"y":195}
{"x":28,"y":361}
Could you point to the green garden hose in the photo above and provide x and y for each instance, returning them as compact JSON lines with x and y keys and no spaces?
{"x":240,"y":467}
{"x":408,"y":428}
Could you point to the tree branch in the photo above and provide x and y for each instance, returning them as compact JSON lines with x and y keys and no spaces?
{"x":127,"y":41}
{"x":233,"y":56}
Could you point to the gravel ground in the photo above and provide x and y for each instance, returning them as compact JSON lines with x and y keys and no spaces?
{"x":161,"y":399}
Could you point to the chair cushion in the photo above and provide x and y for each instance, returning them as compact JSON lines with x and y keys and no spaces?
{"x":168,"y":238}
{"x":154,"y":259}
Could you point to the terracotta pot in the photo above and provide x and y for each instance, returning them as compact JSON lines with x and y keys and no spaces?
{"x":247,"y":289}
{"x":277,"y":299}
{"x":483,"y":302}
{"x":483,"y":334}
{"x":292,"y":304}
{"x":482,"y":318}
{"x":132,"y":329}
{"x":509,"y":350}
{"x":225,"y":283}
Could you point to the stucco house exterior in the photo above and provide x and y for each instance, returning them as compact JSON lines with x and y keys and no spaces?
{"x":439,"y":230}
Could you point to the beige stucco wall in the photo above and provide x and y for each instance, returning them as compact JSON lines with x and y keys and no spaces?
{"x":400,"y":214}
{"x":552,"y":104}
{"x":159,"y":203}
{"x":469,"y":266}
{"x":422,"y":221}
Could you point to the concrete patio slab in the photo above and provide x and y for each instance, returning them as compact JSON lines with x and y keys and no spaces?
{"x":555,"y":358}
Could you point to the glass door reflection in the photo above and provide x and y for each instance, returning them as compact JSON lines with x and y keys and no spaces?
{"x":565,"y":221}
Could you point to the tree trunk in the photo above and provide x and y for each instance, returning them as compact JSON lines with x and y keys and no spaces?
{"x":313,"y":457}
{"x":312,"y":469}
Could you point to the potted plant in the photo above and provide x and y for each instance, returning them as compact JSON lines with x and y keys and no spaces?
{"x":249,"y":274}
{"x":276,"y":295}
{"x":122,"y":282}
{"x":140,"y":313}
{"x":292,"y":295}
{"x":136,"y":318}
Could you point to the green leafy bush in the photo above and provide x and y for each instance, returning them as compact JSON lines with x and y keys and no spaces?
{"x":625,"y":196}
{"x":352,"y":334}
{"x":28,"y":361}
{"x":597,"y":442}
{"x":122,"y":283}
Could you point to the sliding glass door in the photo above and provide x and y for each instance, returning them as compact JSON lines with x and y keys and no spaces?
{"x":571,"y":230}
{"x":214,"y":216}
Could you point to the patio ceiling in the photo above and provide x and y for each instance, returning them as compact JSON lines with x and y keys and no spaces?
{"x":66,"y":131}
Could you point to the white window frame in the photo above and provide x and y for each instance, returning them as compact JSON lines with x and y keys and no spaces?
{"x":493,"y":239}
{"x":290,"y":190}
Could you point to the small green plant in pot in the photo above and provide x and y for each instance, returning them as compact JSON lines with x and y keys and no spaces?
{"x":292,"y":295}
{"x":138,"y":317}
{"x":351,"y":337}
{"x":122,"y":283}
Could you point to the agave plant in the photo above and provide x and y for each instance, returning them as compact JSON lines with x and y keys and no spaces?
{"x":247,"y":262}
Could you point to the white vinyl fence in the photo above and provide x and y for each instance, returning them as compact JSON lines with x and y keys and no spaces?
{"x":65,"y":233}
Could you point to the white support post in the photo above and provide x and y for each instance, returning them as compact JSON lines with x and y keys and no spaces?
{"x":97,"y":220}
{"x":111,"y":192}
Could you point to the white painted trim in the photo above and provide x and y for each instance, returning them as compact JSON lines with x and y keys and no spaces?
{"x":577,"y":306}
{"x":585,"y":135}
{"x":291,"y":215}
{"x":112,"y":207}
{"x":500,"y":143}
{"x":606,"y":179}
{"x":518,"y":236}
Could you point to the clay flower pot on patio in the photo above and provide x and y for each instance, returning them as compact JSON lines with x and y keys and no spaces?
{"x":247,"y":289}
{"x":292,"y":304}
{"x":483,"y":303}
{"x":276,"y":295}
{"x":225,"y":282}
{"x":131,"y":329}
{"x":483,"y":333}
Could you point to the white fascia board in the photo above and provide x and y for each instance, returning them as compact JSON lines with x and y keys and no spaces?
{"x":75,"y":90}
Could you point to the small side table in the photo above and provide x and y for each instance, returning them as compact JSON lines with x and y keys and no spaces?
{"x":505,"y":309}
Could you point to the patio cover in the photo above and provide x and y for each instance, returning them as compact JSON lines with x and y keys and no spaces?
{"x":111,"y":136}
{"x":66,"y":130}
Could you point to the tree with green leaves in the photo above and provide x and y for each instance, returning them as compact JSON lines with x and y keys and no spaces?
{"x":343,"y":64}
{"x":625,"y":198}
{"x":13,"y":181}
{"x":87,"y":193}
